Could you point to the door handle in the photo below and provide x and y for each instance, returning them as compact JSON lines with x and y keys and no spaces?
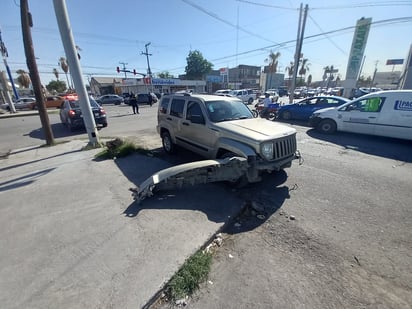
{"x":185,"y":123}
{"x":372,"y":117}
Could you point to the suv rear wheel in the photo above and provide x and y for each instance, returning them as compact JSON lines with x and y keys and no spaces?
{"x":168,"y":145}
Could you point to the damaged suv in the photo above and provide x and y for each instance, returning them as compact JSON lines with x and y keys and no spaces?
{"x":218,"y":127}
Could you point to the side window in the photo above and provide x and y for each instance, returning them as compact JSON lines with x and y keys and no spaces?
{"x":176,"y":109}
{"x":194,"y":113}
{"x":370,"y":105}
{"x":164,"y":105}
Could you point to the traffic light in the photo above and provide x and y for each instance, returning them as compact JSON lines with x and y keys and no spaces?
{"x":134,"y":71}
{"x":118,"y":69}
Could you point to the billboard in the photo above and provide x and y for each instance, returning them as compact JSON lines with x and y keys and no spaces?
{"x":394,"y":61}
{"x":357,"y":50}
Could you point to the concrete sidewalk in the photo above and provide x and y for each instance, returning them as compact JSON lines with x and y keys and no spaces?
{"x":72,"y":236}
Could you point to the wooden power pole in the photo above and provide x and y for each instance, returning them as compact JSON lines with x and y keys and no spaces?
{"x":26,"y":23}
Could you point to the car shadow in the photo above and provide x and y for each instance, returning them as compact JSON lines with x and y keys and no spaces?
{"x":219,"y":201}
{"x":59,"y":131}
{"x":386,"y":147}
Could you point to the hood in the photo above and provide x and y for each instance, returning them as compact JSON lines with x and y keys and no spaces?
{"x":257,"y":129}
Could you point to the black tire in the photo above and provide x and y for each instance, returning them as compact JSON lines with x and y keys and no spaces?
{"x":286,"y":115}
{"x":250,"y":101}
{"x":255,"y":113}
{"x":271,"y":116}
{"x":326,"y":126}
{"x":168,"y":145}
{"x":70,"y":126}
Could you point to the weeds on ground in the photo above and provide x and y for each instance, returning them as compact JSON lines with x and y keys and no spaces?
{"x":193,"y":272}
{"x":118,"y":148}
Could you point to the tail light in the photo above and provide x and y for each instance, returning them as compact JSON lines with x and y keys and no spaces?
{"x":72,"y":113}
{"x":102,"y":111}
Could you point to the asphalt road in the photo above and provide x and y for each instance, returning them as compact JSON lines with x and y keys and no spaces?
{"x":20,"y":132}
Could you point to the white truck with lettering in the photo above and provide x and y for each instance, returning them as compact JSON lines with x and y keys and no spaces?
{"x":384,"y":113}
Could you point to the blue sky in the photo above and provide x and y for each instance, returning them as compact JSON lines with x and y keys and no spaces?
{"x":109,"y":32}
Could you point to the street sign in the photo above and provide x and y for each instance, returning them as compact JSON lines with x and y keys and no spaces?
{"x":394,"y":61}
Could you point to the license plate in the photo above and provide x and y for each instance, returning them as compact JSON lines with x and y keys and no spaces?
{"x":96,"y":114}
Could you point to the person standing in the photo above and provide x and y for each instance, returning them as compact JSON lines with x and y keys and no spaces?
{"x":150,"y":99}
{"x":133,"y":103}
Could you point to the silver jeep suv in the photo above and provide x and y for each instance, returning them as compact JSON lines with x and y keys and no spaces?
{"x":217,"y":127}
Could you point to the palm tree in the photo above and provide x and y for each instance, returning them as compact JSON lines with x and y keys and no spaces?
{"x":304,"y":67}
{"x":23,"y":79}
{"x":65,"y":67}
{"x":273,"y":64}
{"x":290,"y":69}
{"x":56,"y":73}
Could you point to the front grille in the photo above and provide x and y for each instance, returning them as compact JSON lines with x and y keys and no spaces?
{"x":284,"y":147}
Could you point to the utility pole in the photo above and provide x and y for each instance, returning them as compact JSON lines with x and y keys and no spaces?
{"x":147,"y":58}
{"x":124,"y":69}
{"x":73,"y":60}
{"x":299,"y":42}
{"x":4,"y":53}
{"x":26,"y":23}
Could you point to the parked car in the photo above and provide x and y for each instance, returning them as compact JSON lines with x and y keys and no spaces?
{"x":303,"y":109}
{"x":383,"y":113}
{"x":223,"y":91}
{"x":53,"y":101}
{"x":143,"y":98}
{"x":283,"y":91}
{"x":71,"y":114}
{"x":110,"y":99}
{"x":20,"y":104}
{"x":246,"y":95}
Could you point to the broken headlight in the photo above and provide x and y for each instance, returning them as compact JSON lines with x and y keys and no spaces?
{"x":267,"y":151}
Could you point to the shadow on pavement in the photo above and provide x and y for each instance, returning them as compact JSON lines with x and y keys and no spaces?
{"x":59,"y":131}
{"x":262,"y":200}
{"x":386,"y":147}
{"x":23,"y":180}
{"x":218,"y":201}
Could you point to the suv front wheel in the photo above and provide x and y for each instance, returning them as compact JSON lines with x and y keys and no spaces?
{"x":168,"y":145}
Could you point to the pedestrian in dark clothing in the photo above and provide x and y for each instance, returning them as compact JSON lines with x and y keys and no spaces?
{"x":150,"y":99}
{"x":133,"y":103}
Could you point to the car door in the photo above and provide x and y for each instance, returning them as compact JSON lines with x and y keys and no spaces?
{"x":361,"y":116}
{"x":304,"y":108}
{"x":194,"y":132}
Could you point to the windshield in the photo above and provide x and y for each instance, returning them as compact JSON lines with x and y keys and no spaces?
{"x":76,"y":104}
{"x":226,"y":110}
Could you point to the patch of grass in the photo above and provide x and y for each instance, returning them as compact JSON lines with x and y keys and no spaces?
{"x":193,"y":272}
{"x":118,"y":148}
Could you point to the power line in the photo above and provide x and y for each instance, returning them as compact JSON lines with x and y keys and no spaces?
{"x":198,"y":7}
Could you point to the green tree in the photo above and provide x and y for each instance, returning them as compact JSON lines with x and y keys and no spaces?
{"x":56,"y":73}
{"x":56,"y":86}
{"x":65,"y":67}
{"x":165,"y":74}
{"x":23,"y":79}
{"x":309,"y":79}
{"x":273,"y":60}
{"x":290,"y":69}
{"x":304,"y":67}
{"x":197,"y":66}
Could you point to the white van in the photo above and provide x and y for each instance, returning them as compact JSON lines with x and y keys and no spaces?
{"x":384,"y":113}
